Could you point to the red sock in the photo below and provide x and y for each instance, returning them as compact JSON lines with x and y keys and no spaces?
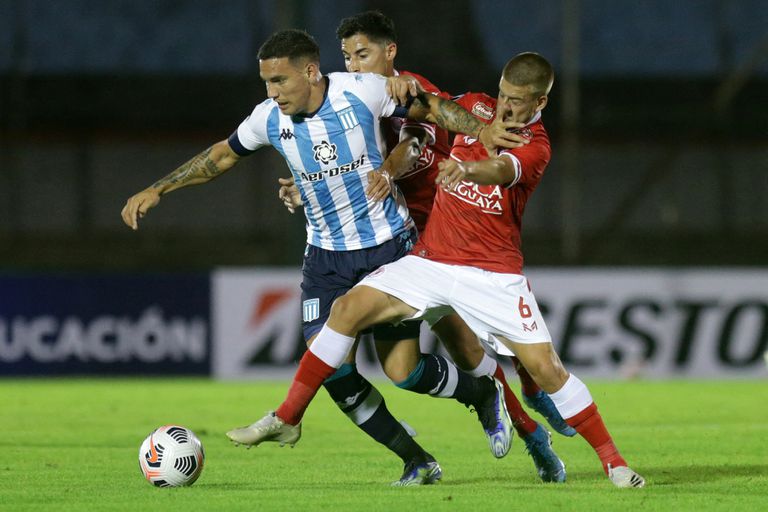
{"x":524,"y":425}
{"x":527,"y":383}
{"x":308,"y":379}
{"x":590,"y":425}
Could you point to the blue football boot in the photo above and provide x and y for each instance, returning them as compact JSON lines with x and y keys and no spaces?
{"x":539,"y":446}
{"x":543,"y":404}
{"x":494,"y":417}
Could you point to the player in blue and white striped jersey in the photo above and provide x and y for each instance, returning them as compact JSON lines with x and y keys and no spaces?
{"x":341,"y":139}
{"x":327,"y":128}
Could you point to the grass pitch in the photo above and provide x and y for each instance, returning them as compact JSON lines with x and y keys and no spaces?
{"x":73,"y":445}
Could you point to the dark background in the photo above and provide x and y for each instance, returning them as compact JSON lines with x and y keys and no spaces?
{"x":658,"y":118}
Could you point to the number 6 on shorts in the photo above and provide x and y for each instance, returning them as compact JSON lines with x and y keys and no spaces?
{"x":525,"y":311}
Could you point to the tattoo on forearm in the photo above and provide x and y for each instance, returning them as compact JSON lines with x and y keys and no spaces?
{"x":199,"y":166}
{"x":452,"y":117}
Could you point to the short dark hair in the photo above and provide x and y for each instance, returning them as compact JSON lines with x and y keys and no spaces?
{"x":373,"y":24}
{"x":530,"y":69}
{"x":292,"y":43}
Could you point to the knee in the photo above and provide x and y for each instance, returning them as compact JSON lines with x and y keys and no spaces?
{"x":406,"y":375}
{"x":346,"y":312}
{"x":549,"y":374}
{"x":466,"y":356}
{"x":397,"y":373}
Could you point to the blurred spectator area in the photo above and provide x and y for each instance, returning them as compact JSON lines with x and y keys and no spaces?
{"x":658,"y":119}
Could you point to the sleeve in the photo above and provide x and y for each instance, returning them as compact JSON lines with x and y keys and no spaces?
{"x":465,"y":100}
{"x":529,"y":162}
{"x":252,"y":132}
{"x":371,"y":89}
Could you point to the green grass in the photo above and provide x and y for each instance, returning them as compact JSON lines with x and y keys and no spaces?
{"x":73,"y":445}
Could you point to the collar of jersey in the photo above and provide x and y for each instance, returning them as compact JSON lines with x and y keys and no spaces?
{"x":300,"y":117}
{"x":535,"y":118}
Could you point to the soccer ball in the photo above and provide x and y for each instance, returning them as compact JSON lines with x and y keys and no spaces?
{"x":171,"y":456}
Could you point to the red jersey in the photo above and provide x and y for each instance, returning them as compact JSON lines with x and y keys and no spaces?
{"x":418,"y":183}
{"x":479,"y":225}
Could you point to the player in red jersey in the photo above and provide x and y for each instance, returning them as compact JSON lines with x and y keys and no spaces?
{"x":469,"y":261}
{"x":368,"y":45}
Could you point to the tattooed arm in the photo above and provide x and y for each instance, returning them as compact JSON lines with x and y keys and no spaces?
{"x":199,"y":169}
{"x":452,"y":117}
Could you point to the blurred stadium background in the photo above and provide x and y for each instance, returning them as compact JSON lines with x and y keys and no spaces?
{"x":647,"y":239}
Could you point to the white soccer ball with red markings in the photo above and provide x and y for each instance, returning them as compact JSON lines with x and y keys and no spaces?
{"x":171,"y":456}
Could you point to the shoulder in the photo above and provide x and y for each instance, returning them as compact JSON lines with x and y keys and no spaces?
{"x":264,"y":109}
{"x":262,"y":114}
{"x":478,"y":104}
{"x":369,"y":88}
{"x":355,"y":81}
{"x":426,"y":84}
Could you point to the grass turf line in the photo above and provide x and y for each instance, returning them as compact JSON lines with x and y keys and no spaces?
{"x":73,"y":445}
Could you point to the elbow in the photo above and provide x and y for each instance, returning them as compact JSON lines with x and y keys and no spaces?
{"x":223,"y":155}
{"x":414,"y":147}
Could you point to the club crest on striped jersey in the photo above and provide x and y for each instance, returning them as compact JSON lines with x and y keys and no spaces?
{"x":347,"y":118}
{"x":324,"y":152}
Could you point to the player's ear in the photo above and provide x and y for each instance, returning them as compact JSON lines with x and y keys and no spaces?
{"x":313,"y":72}
{"x":541,"y":103}
{"x":391,"y":51}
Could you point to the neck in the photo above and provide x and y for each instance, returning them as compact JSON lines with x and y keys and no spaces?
{"x":317,"y":94}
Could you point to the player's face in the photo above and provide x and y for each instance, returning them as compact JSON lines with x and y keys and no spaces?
{"x":361,"y":55}
{"x":518,"y":103}
{"x":289,"y":83}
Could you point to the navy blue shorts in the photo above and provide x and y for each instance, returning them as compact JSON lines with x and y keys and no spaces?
{"x":327,"y":275}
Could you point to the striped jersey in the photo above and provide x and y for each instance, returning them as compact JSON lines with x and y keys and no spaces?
{"x":330,"y":154}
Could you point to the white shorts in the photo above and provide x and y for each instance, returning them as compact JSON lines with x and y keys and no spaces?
{"x":492,"y":304}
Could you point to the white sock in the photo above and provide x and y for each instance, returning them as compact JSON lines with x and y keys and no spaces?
{"x":572,"y":398}
{"x":331,"y":347}
{"x":487,"y":366}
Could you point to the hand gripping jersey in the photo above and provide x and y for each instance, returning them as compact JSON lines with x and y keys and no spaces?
{"x":330,"y":153}
{"x":479,"y":225}
{"x":418,"y":183}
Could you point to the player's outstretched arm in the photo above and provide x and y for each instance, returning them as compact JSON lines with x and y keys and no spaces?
{"x":452,"y":117}
{"x":199,"y":169}
{"x":493,"y":171}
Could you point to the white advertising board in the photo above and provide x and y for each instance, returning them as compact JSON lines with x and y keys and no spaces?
{"x":607,"y":323}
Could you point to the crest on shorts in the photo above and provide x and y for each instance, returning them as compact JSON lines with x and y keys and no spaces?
{"x":376,"y":272}
{"x":311,"y":310}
